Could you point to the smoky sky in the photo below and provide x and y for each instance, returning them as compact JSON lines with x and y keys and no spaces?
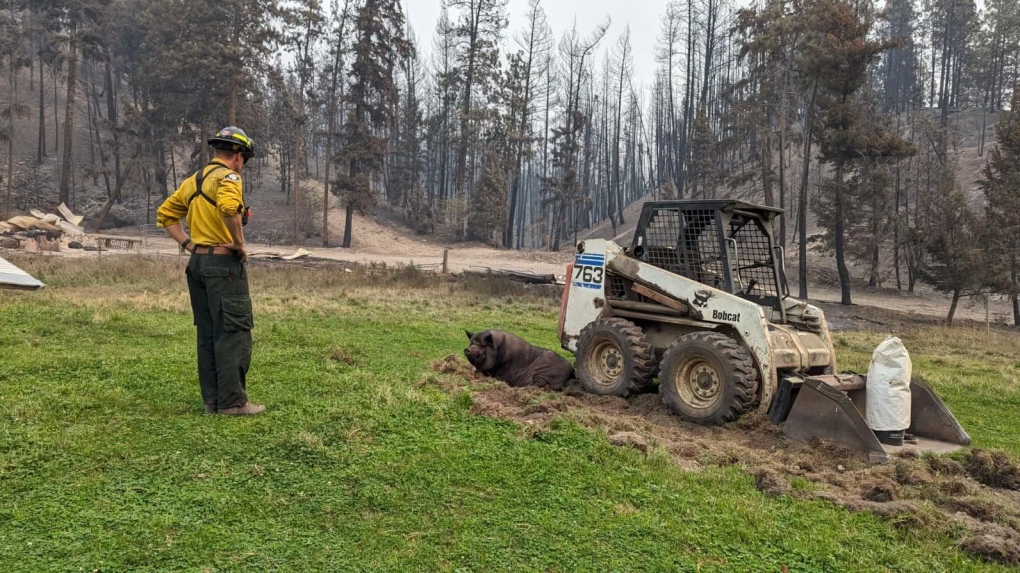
{"x":643,"y":17}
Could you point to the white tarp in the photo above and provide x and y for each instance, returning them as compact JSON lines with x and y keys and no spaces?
{"x":11,"y":277}
{"x":888,"y":387}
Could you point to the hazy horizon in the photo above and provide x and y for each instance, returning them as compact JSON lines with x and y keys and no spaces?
{"x":643,"y":16}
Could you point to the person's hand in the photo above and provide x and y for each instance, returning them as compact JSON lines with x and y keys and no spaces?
{"x":240,"y":249}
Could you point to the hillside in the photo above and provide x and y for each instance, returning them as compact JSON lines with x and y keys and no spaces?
{"x":971,"y":154}
{"x":381,"y":235}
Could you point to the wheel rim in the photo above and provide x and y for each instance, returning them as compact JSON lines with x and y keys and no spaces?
{"x":698,"y":383}
{"x":607,"y":363}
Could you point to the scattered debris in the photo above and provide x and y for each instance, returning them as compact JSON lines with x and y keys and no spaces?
{"x":954,"y":487}
{"x":519,"y":276}
{"x":979,"y":507}
{"x":928,"y":490}
{"x":108,"y":241}
{"x":40,"y":231}
{"x":69,"y":216}
{"x":46,"y":244}
{"x":858,"y":317}
{"x":51,"y":219}
{"x":11,"y":277}
{"x":32,"y":227}
{"x":908,"y":473}
{"x":945,"y":466}
{"x":900,"y":514}
{"x":995,"y":544}
{"x":454,"y":364}
{"x":629,"y":439}
{"x":71,"y":228}
{"x":771,"y":483}
{"x":993,"y":469}
{"x":881,"y":492}
{"x":299,"y":254}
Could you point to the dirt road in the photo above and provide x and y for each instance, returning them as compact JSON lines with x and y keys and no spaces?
{"x":380,"y":242}
{"x":423,"y":255}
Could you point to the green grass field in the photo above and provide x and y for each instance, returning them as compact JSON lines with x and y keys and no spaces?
{"x":108,"y":463}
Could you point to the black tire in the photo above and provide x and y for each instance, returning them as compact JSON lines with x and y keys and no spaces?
{"x":708,"y":378}
{"x":614,"y":358}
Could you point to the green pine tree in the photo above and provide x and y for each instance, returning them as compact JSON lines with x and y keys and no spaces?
{"x":489,"y":204}
{"x":953,"y":258}
{"x":836,"y":59}
{"x":1000,"y":182}
{"x":378,"y":47}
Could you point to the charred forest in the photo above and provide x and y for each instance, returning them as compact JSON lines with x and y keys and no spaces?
{"x":886,"y":130}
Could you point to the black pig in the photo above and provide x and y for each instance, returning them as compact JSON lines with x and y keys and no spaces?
{"x":502,"y":355}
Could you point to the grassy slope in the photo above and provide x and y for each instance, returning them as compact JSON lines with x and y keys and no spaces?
{"x":107,"y":462}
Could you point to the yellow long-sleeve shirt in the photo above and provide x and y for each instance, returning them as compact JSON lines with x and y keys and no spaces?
{"x":205,"y":220}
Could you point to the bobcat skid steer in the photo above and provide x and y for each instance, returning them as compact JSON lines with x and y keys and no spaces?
{"x":700,"y":301}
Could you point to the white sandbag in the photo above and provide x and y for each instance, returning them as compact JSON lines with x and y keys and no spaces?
{"x":888,"y":387}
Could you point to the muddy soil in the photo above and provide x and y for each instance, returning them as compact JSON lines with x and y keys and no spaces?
{"x":933,"y":491}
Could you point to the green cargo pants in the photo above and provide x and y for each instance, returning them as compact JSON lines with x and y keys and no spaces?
{"x":218,"y":285}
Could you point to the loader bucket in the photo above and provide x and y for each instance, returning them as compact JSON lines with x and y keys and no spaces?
{"x":930,"y":419}
{"x":822,"y":411}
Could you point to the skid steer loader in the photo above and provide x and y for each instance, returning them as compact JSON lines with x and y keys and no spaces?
{"x":700,"y":301}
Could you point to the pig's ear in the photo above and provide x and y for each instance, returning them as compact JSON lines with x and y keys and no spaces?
{"x":469,"y":335}
{"x":487,"y":338}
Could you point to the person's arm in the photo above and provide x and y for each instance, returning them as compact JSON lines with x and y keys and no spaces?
{"x":237,"y":233}
{"x":169,"y":216}
{"x":176,"y":231}
{"x":230,"y":203}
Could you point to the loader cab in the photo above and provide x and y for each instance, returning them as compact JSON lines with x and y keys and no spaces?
{"x":725,"y":244}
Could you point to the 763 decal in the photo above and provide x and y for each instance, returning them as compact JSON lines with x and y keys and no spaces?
{"x":589,"y":270}
{"x":589,"y":274}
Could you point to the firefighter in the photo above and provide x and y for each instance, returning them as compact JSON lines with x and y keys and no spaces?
{"x":212,"y":203}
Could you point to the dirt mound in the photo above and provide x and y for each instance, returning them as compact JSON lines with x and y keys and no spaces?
{"x":995,"y":544}
{"x":629,"y":439}
{"x":945,"y":466}
{"x":980,"y":508}
{"x":452,"y":364}
{"x":771,"y":483}
{"x":993,"y":469}
{"x":910,"y":472}
{"x":881,"y":492}
{"x":912,"y":491}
